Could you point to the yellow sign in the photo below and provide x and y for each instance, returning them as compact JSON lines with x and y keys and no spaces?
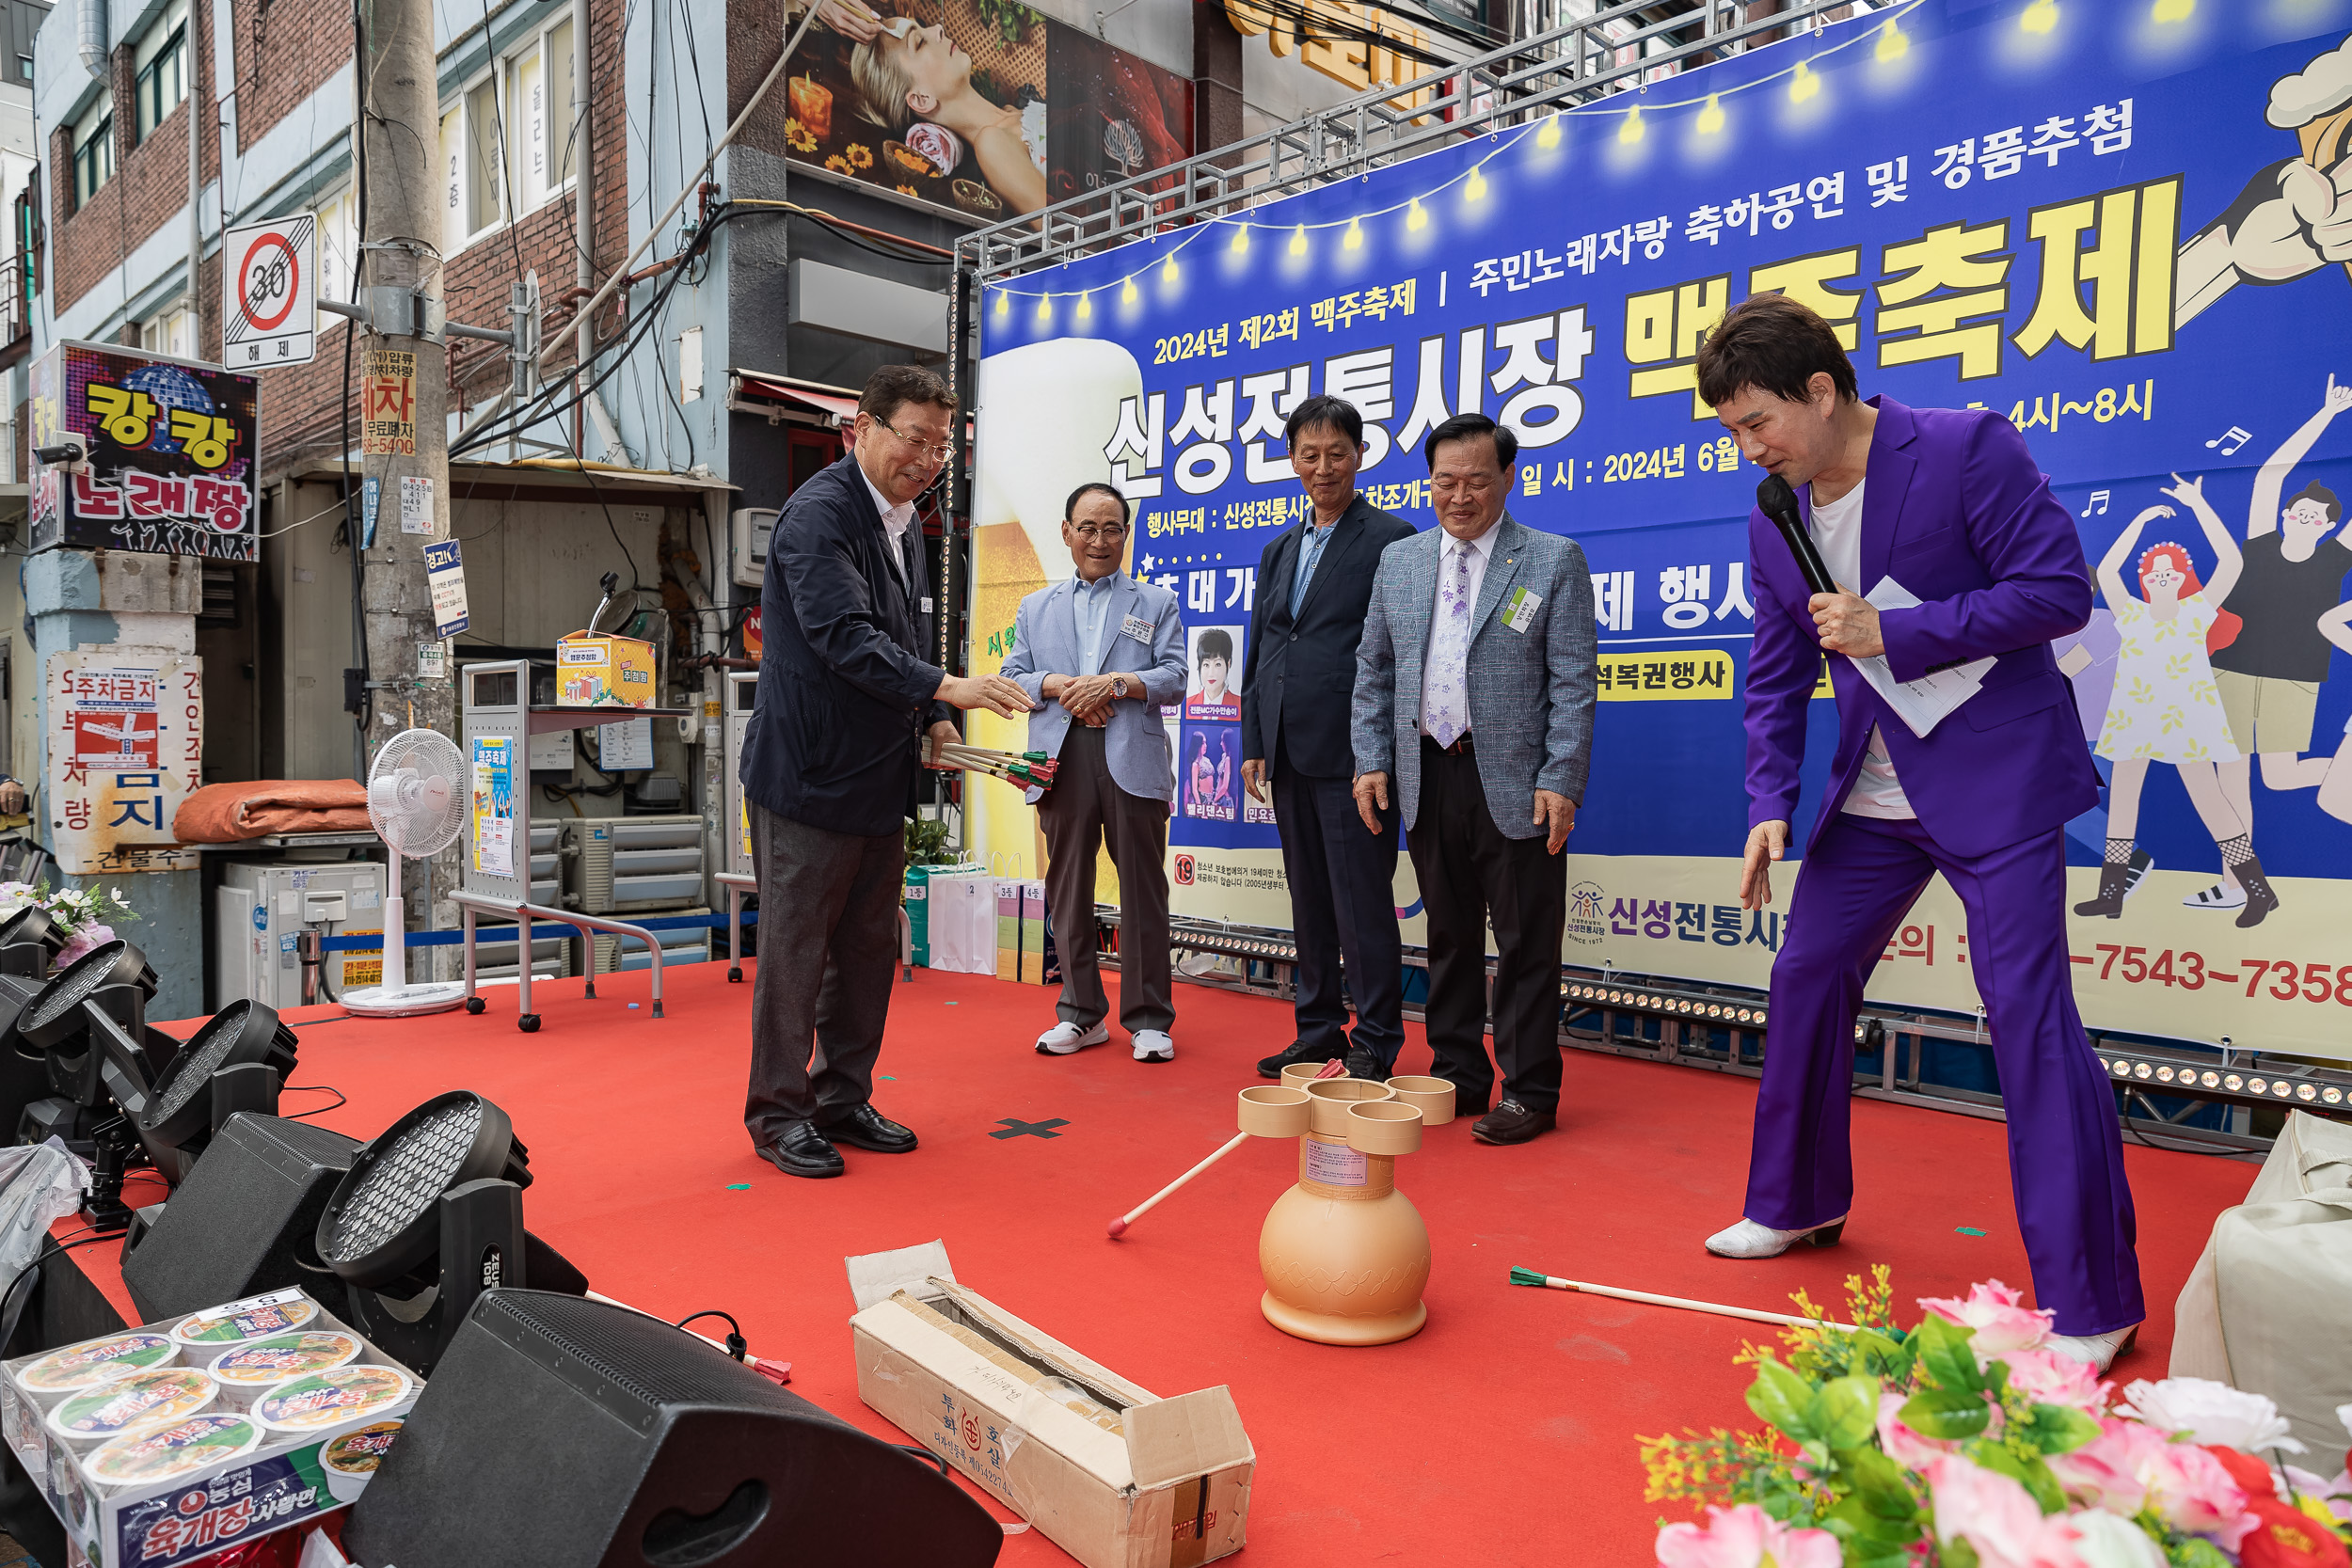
{"x":1697,"y":675}
{"x":1335,"y":37}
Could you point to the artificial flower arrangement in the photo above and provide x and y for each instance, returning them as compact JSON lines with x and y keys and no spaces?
{"x":1966,"y":1443}
{"x":86,"y":915}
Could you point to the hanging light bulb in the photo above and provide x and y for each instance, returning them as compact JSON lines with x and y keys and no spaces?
{"x":1004,"y":303}
{"x":1127,"y":292}
{"x":1711,"y":118}
{"x":1355,"y":239}
{"x":2039,"y":17}
{"x":1805,"y":85}
{"x":1893,"y":43}
{"x":1086,"y":305}
{"x":1241,"y":239}
{"x":1298,"y":240}
{"x":1476,"y":189}
{"x":1549,"y":135}
{"x":2174,"y":10}
{"x":1417,"y":220}
{"x":1167,"y":271}
{"x":1632,"y":129}
{"x":1045,"y":307}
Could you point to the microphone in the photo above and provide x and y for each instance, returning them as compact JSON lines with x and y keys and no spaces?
{"x":1779,"y":504}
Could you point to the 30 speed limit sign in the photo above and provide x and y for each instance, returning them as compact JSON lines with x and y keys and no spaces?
{"x":269,"y":281}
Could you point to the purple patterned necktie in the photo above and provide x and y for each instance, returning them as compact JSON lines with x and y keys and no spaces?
{"x":1447,"y":692}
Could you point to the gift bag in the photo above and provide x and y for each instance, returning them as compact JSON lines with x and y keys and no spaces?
{"x":961,"y":926}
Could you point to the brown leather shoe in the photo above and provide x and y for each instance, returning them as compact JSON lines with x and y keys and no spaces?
{"x":1512,"y":1123}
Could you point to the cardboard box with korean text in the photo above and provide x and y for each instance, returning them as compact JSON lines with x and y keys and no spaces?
{"x":1114,"y":1475}
{"x":603,"y":672}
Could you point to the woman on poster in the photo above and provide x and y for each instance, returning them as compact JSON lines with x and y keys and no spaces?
{"x":2166,"y":706}
{"x":905,"y":73}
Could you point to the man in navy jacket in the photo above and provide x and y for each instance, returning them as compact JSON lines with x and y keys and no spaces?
{"x":828,"y":772}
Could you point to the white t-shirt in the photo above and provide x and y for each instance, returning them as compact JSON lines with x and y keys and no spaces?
{"x":1836,"y":530}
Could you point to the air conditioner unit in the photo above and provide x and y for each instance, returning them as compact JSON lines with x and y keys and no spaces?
{"x":632,"y":864}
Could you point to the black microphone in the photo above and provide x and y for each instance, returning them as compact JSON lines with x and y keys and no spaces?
{"x":1779,"y":504}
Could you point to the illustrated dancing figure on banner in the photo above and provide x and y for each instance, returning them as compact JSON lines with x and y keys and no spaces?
{"x":1943,"y":516}
{"x":2163,"y":707}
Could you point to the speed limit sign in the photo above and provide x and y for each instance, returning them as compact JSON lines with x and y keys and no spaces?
{"x":269,"y":278}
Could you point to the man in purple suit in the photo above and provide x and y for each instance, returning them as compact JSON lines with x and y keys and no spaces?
{"x":1948,"y":504}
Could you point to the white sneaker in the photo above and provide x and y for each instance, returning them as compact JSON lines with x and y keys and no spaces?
{"x":2221,"y":896}
{"x":1068,"y":1040}
{"x":1154,"y":1045}
{"x":1750,"y":1240}
{"x":2098,"y":1349}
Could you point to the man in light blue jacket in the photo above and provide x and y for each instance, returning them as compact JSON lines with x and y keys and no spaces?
{"x":1106,"y":650}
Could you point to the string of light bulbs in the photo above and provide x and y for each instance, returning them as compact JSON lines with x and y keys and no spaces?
{"x":1891,"y":43}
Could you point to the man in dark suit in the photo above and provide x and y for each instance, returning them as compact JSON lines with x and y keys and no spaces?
{"x":1313,"y":582}
{"x":828,"y":772}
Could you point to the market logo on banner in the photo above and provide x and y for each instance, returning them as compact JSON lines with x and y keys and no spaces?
{"x":1584,"y":917}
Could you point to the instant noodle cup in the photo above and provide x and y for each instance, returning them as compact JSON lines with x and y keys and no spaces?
{"x":262,"y":1364}
{"x":133,"y":1405}
{"x":350,"y":1461}
{"x":96,"y":1361}
{"x":216,"y":1327}
{"x":184,"y":1449}
{"x":317,"y":1401}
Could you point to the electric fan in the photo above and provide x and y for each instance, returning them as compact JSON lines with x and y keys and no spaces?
{"x":417,"y":803}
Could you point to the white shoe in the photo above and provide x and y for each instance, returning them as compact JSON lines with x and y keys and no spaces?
{"x":1750,"y":1240}
{"x":1154,"y":1045}
{"x":2098,"y":1349}
{"x":2221,"y":896}
{"x":1068,"y":1040}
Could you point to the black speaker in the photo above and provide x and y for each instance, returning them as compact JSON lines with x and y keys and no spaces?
{"x":243,"y":1220}
{"x":563,"y":1433}
{"x":23,"y":1068}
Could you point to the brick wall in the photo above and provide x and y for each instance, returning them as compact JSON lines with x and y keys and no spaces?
{"x":284,"y":51}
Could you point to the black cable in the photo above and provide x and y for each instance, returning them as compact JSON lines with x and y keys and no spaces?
{"x":2170,"y":1148}
{"x":834,"y":226}
{"x":352,"y":533}
{"x":340,"y":1098}
{"x":734,"y":1330}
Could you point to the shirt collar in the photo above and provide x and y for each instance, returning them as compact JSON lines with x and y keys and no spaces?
{"x":1484,"y":544}
{"x":1099,"y":587}
{"x":1324,"y":531}
{"x":895,"y":518}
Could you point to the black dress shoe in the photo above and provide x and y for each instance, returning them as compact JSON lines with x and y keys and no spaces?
{"x":1297,"y":1051}
{"x":866,"y":1128}
{"x":1512,"y":1123}
{"x":803,"y":1150}
{"x":1364,"y":1065}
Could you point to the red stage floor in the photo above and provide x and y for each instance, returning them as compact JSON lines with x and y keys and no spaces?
{"x":1502,"y":1434}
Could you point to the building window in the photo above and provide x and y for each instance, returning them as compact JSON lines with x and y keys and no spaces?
{"x":161,"y":63}
{"x":507,"y":144}
{"x":339,"y":245}
{"x":24,"y":68}
{"x":173,"y":334}
{"x":93,"y":159}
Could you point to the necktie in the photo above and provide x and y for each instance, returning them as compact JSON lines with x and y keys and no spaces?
{"x":1448,"y":692}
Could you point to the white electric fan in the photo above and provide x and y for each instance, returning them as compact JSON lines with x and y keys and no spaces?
{"x":417,"y":803}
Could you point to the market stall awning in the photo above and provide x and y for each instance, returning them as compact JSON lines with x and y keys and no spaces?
{"x":835,"y":405}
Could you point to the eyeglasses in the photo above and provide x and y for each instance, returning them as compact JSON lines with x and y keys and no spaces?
{"x":937,"y":453}
{"x":1094,"y":532}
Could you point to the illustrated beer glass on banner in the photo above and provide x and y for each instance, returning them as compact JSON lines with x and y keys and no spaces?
{"x":2124,"y":227}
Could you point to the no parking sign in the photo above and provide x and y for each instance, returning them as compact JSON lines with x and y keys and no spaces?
{"x":270,"y":295}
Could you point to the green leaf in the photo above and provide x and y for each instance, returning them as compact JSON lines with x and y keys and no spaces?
{"x":2028,"y":1471}
{"x":2195,"y":1551}
{"x":2054,"y":1428}
{"x":1846,"y":1410}
{"x":1947,"y":1413}
{"x":1877,"y":1483}
{"x":1957,"y":1553}
{"x":1781,"y":1397}
{"x":1855,"y":1519}
{"x":1892,"y":1358}
{"x":1944,"y":1351}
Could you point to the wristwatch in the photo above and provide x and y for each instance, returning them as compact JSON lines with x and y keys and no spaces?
{"x":1119,"y":686}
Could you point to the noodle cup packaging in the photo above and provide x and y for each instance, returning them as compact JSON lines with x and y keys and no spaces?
{"x":177,"y":1490}
{"x":246,"y":1372}
{"x":1117,"y":1477}
{"x":126,"y":1406}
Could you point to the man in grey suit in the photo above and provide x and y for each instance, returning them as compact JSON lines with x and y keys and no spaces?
{"x":1106,"y":650}
{"x":1474,"y":689}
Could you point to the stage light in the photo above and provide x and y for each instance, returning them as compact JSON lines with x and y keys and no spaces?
{"x":2331,"y":1095}
{"x":2174,"y":10}
{"x":1893,"y":43}
{"x":2258,"y":1086}
{"x":90,"y":1021}
{"x":28,"y":941}
{"x":1805,"y":86}
{"x":2211,"y":1080}
{"x":1169,"y":271}
{"x":1711,"y":118}
{"x":1549,"y":135}
{"x":1631,"y":131}
{"x":210,"y":1080}
{"x":1127,"y":291}
{"x":2231,"y":1081}
{"x":2040,"y":16}
{"x":2281,"y":1088}
{"x":2305,"y":1091}
{"x":1475,"y":190}
{"x":1355,"y":239}
{"x":1416,"y":219}
{"x":1241,"y":239}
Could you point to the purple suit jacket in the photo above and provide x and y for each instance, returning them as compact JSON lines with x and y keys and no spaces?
{"x":1958,"y":513}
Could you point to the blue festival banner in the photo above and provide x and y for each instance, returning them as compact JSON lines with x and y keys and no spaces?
{"x":2124,"y":225}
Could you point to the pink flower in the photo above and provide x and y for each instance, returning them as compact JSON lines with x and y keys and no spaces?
{"x":1745,"y":1537}
{"x":2189,"y":1490}
{"x":2047,"y":1377}
{"x":82,"y":941}
{"x":1998,"y":1517}
{"x":1992,"y":1310}
{"x":2111,"y":1470}
{"x":1902,"y":1445}
{"x":2335,"y":1495}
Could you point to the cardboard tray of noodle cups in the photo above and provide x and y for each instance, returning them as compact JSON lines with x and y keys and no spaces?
{"x":164,"y":1442}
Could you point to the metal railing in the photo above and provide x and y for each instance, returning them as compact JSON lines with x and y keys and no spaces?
{"x":16,"y":305}
{"x":1556,"y":69}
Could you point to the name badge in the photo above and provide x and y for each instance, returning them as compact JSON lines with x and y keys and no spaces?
{"x":1137,"y":628}
{"x":927,"y":604}
{"x":1520,"y":608}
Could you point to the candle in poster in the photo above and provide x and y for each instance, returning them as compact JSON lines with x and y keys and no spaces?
{"x":127,"y":728}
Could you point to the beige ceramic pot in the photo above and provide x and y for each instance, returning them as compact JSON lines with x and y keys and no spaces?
{"x":1345,"y":1254}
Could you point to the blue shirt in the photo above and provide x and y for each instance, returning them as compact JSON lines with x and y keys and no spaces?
{"x":1091,"y":602}
{"x":1310,"y":553}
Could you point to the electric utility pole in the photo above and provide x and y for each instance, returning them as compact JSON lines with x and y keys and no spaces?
{"x":404,"y":393}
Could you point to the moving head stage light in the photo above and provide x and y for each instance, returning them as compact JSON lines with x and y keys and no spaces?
{"x":28,"y":942}
{"x":237,"y":1062}
{"x":430,"y":1216}
{"x":90,"y":1021}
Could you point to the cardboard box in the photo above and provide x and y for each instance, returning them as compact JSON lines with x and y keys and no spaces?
{"x":1114,"y":1475}
{"x":289,"y":1478}
{"x":603,"y":672}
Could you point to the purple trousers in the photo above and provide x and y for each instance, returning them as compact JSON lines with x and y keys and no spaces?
{"x":2065,"y":1150}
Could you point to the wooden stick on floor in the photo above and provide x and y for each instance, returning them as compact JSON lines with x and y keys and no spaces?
{"x":1119,"y":1225}
{"x":1528,"y":1276}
